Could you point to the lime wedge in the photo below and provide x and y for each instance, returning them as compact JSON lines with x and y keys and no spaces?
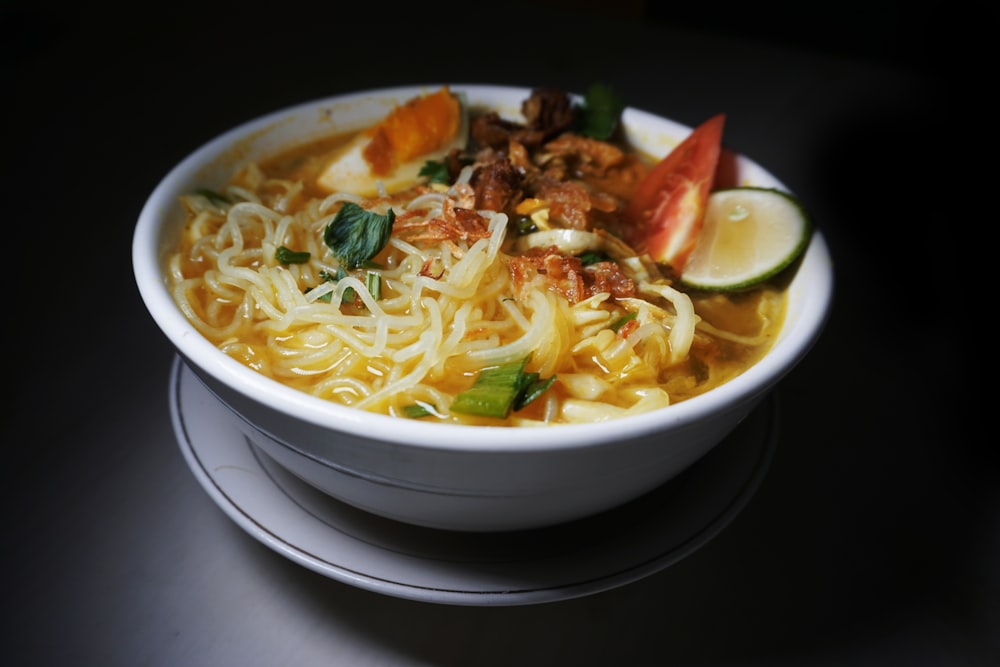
{"x":748,"y":235}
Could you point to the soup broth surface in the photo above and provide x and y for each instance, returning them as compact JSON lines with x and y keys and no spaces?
{"x":459,"y":288}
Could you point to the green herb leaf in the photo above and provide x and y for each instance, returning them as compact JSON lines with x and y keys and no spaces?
{"x":373,"y":281}
{"x":287,"y":256}
{"x":356,"y":235}
{"x":436,"y":172}
{"x":327,"y":278}
{"x":525,"y":226}
{"x":417,"y":410}
{"x":500,"y":389}
{"x":348,"y":295}
{"x":493,"y":392}
{"x":532,"y":390}
{"x":620,"y":322}
{"x":214,"y":197}
{"x":589,"y":257}
{"x":601,"y":112}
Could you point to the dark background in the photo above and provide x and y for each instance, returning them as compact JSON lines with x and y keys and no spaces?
{"x":875,"y":538}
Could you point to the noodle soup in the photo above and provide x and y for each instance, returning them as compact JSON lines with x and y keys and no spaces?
{"x":502,"y":295}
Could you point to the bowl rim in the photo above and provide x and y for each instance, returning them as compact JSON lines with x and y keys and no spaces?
{"x":791,"y":346}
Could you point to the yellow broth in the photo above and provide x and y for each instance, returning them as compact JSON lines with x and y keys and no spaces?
{"x":750,"y":319}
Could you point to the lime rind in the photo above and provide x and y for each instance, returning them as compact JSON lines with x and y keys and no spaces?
{"x":788,"y":229}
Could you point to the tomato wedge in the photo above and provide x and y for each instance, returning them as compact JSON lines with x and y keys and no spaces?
{"x":664,"y":216}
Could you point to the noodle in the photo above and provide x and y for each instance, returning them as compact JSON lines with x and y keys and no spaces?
{"x":414,"y":327}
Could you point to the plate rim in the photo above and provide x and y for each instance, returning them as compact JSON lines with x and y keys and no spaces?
{"x":183,"y":379}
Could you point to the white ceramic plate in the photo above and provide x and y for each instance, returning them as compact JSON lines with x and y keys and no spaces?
{"x":567,"y":561}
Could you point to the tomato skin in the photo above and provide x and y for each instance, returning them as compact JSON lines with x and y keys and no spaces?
{"x":665,"y":215}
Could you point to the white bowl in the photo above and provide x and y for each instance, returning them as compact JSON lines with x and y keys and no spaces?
{"x":469,"y":478}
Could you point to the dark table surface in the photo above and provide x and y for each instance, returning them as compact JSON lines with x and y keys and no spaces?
{"x":874,"y":537}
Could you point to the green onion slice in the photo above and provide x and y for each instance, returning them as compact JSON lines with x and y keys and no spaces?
{"x":288,"y":256}
{"x":500,"y":389}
